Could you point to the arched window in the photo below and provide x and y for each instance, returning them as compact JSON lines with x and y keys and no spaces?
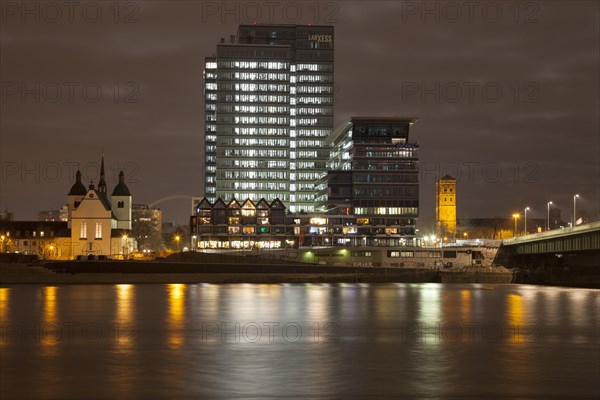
{"x":98,"y":230}
{"x":83,"y":230}
{"x":120,"y":204}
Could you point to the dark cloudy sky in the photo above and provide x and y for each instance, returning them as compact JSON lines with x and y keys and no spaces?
{"x":516,"y":113}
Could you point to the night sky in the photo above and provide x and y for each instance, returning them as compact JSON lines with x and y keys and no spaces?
{"x":507,"y":95}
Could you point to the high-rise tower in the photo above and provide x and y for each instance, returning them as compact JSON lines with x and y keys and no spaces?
{"x":268,"y":111}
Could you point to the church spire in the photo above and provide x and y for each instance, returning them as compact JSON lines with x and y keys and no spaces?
{"x":102,"y":182}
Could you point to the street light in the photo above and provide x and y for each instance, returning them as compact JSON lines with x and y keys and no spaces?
{"x":574,"y":207}
{"x":525,"y":220}
{"x":515,"y":216}
{"x":177,"y":238}
{"x":548,"y":220}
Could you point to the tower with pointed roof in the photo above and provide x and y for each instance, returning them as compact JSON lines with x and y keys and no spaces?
{"x":121,"y":203}
{"x":102,"y":181}
{"x":445,"y":207}
{"x":75,"y":195}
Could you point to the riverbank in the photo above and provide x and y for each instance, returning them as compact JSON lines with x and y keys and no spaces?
{"x":132,"y":272}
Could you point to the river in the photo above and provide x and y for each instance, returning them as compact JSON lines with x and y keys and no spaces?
{"x":155,"y":341}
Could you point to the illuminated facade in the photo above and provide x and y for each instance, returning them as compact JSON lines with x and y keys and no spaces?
{"x":268,"y":111}
{"x":445,"y":206}
{"x":373,"y":176}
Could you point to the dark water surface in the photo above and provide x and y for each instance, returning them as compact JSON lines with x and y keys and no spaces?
{"x":298,"y":340}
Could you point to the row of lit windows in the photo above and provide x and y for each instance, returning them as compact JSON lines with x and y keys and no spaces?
{"x":258,"y":120}
{"x":322,"y":133}
{"x":257,"y":109}
{"x":258,"y":87}
{"x":315,"y":89}
{"x":269,"y":196}
{"x":305,"y":176}
{"x":315,"y":111}
{"x":255,"y":98}
{"x":252,"y":64}
{"x":252,"y":174}
{"x":307,"y":121}
{"x":255,"y":76}
{"x":314,"y":100}
{"x":309,"y":143}
{"x":225,"y":163}
{"x":314,"y":67}
{"x":385,"y":154}
{"x":253,"y":153}
{"x":328,"y":78}
{"x":307,"y":154}
{"x":386,"y":210}
{"x":254,"y":142}
{"x":261,"y":131}
{"x":304,"y":197}
{"x":253,"y":185}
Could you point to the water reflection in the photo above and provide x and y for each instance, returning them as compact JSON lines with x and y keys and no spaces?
{"x":168,"y":357}
{"x":124,"y":326}
{"x":4,"y":320}
{"x":50,"y":331}
{"x":175,"y":318}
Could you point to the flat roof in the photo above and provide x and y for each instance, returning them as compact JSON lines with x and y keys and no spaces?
{"x":411,"y":120}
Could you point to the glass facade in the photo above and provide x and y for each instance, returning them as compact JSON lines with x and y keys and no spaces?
{"x":373,"y":175}
{"x":269,"y":110}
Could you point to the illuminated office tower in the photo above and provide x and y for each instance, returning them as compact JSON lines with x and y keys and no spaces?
{"x":268,"y":112}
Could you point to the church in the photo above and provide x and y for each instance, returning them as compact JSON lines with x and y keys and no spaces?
{"x":99,"y":225}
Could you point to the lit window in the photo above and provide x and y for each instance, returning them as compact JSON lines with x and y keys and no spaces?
{"x":83,"y":230}
{"x":98,"y":230}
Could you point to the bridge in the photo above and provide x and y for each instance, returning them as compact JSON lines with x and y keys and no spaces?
{"x":569,"y":248}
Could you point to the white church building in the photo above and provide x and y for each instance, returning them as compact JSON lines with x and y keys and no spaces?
{"x":100,"y":226}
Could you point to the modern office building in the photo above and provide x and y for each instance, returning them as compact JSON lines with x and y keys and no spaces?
{"x":373,"y":175}
{"x":268,"y":95}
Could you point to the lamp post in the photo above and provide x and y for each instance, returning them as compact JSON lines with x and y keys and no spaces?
{"x":525,"y":220}
{"x":515,"y":216}
{"x":548,"y":220}
{"x":177,"y":238}
{"x":574,"y":208}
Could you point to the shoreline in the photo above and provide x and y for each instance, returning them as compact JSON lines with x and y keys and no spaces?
{"x":191,"y":273}
{"x":184,"y":272}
